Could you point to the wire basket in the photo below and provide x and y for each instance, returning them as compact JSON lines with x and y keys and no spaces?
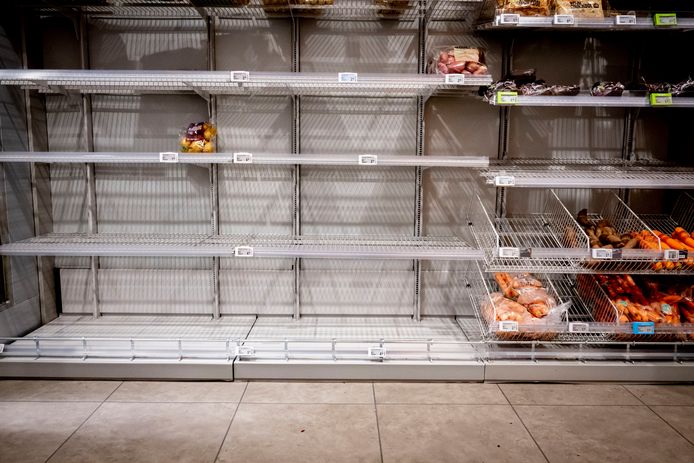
{"x":482,"y":285}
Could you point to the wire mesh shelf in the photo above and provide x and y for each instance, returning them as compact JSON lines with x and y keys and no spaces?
{"x":552,"y":241}
{"x":589,"y":175}
{"x":244,"y":246}
{"x":402,"y":10}
{"x":236,"y":82}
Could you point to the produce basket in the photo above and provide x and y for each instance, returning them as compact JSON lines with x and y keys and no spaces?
{"x":613,"y":316}
{"x":513,"y":318}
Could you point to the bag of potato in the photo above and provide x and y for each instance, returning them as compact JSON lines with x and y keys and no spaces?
{"x":524,"y":7}
{"x":580,"y":8}
{"x":199,"y":137}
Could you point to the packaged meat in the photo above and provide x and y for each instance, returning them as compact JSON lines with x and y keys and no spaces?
{"x":458,"y":60}
{"x":607,"y":89}
{"x":580,"y":8}
{"x":524,"y":7}
{"x":565,"y":90}
{"x":199,"y":137}
{"x":501,"y":86}
{"x":535,"y":89}
{"x":684,"y":88}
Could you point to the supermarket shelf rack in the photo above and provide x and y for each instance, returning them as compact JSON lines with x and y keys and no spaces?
{"x":208,"y":83}
{"x":624,"y":23}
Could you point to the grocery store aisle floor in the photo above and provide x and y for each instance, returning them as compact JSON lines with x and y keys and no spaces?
{"x":93,"y":421}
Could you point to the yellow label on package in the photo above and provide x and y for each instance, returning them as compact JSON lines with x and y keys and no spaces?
{"x":661,"y":99}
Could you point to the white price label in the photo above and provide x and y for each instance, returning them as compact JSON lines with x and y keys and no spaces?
{"x":504,"y":180}
{"x":509,"y":19}
{"x":243,"y":158}
{"x":347,"y":77}
{"x":168,"y":156}
{"x":243,"y":251}
{"x":508,"y":326}
{"x":245,"y":351}
{"x":509,"y":252}
{"x":601,"y":253}
{"x":240,"y":76}
{"x":455,"y":79}
{"x":578,"y":327}
{"x":368,"y":160}
{"x":376,"y":352}
{"x":564,"y":19}
{"x":674,"y":254}
{"x":2,"y":348}
{"x":625,"y":20}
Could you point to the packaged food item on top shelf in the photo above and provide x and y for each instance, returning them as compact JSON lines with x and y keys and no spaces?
{"x":580,"y":8}
{"x":523,"y":299}
{"x":312,"y":11}
{"x":458,"y":60}
{"x":199,"y":137}
{"x":276,"y":6}
{"x":391,"y":8}
{"x":524,"y":7}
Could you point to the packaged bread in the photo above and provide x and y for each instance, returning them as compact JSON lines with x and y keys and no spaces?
{"x":580,"y":8}
{"x":524,"y":7}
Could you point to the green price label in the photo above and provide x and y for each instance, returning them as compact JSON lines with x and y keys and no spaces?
{"x":503,"y":98}
{"x":665,"y":19}
{"x":661,"y":99}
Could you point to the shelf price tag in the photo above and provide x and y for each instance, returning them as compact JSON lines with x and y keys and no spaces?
{"x":243,"y":158}
{"x":564,"y":20}
{"x":509,"y":19}
{"x":606,"y":254}
{"x":643,"y":327}
{"x":513,"y":253}
{"x":505,"y":98}
{"x":508,"y":326}
{"x":661,"y":99}
{"x":347,"y":77}
{"x":245,"y":351}
{"x":665,"y":19}
{"x":455,"y":79}
{"x":243,"y":251}
{"x":674,"y":254}
{"x":240,"y":76}
{"x":625,"y":20}
{"x":2,"y":348}
{"x":168,"y":156}
{"x":376,"y":352}
{"x":579,"y":327}
{"x":368,"y":159}
{"x":504,"y":180}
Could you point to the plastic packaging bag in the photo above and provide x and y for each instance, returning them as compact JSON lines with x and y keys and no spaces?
{"x":524,"y":7}
{"x":607,"y":89}
{"x":458,"y":60}
{"x":199,"y":137}
{"x":580,"y":8}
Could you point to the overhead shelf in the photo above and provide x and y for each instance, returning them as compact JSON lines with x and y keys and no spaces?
{"x":244,"y":246}
{"x":243,"y":158}
{"x":551,"y":175}
{"x":508,"y":22}
{"x":587,"y":100}
{"x":236,"y":82}
{"x":403,"y":10}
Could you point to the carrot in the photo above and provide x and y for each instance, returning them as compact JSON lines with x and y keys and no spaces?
{"x":684,"y":239}
{"x":673,"y":243}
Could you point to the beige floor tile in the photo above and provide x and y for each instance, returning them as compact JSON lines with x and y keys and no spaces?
{"x":664,"y":395}
{"x":438,"y":393}
{"x":680,"y":418}
{"x":163,"y":391}
{"x":31,"y":432}
{"x":302,"y":433}
{"x":630,"y":434}
{"x":568,"y":394}
{"x":138,"y":432}
{"x":315,"y":393}
{"x":56,"y":391}
{"x":454,"y":433}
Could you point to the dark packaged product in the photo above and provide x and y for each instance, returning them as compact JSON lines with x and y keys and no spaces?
{"x":538,"y":88}
{"x":607,"y":89}
{"x":565,"y":90}
{"x":500,"y":86}
{"x":685,"y":88}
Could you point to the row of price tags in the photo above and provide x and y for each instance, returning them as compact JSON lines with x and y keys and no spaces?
{"x":655,"y":99}
{"x":247,"y":158}
{"x":659,"y":19}
{"x":342,"y":77}
{"x":582,"y":327}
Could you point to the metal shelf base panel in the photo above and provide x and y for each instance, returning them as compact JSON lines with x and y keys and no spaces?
{"x":595,"y":101}
{"x":601,"y":24}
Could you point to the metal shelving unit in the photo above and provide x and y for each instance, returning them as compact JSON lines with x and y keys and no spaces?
{"x":244,"y":246}
{"x":240,"y":82}
{"x":517,"y":22}
{"x":590,"y":174}
{"x":587,"y":100}
{"x":243,"y":158}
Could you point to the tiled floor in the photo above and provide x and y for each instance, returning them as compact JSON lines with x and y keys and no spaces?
{"x":102,"y":421}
